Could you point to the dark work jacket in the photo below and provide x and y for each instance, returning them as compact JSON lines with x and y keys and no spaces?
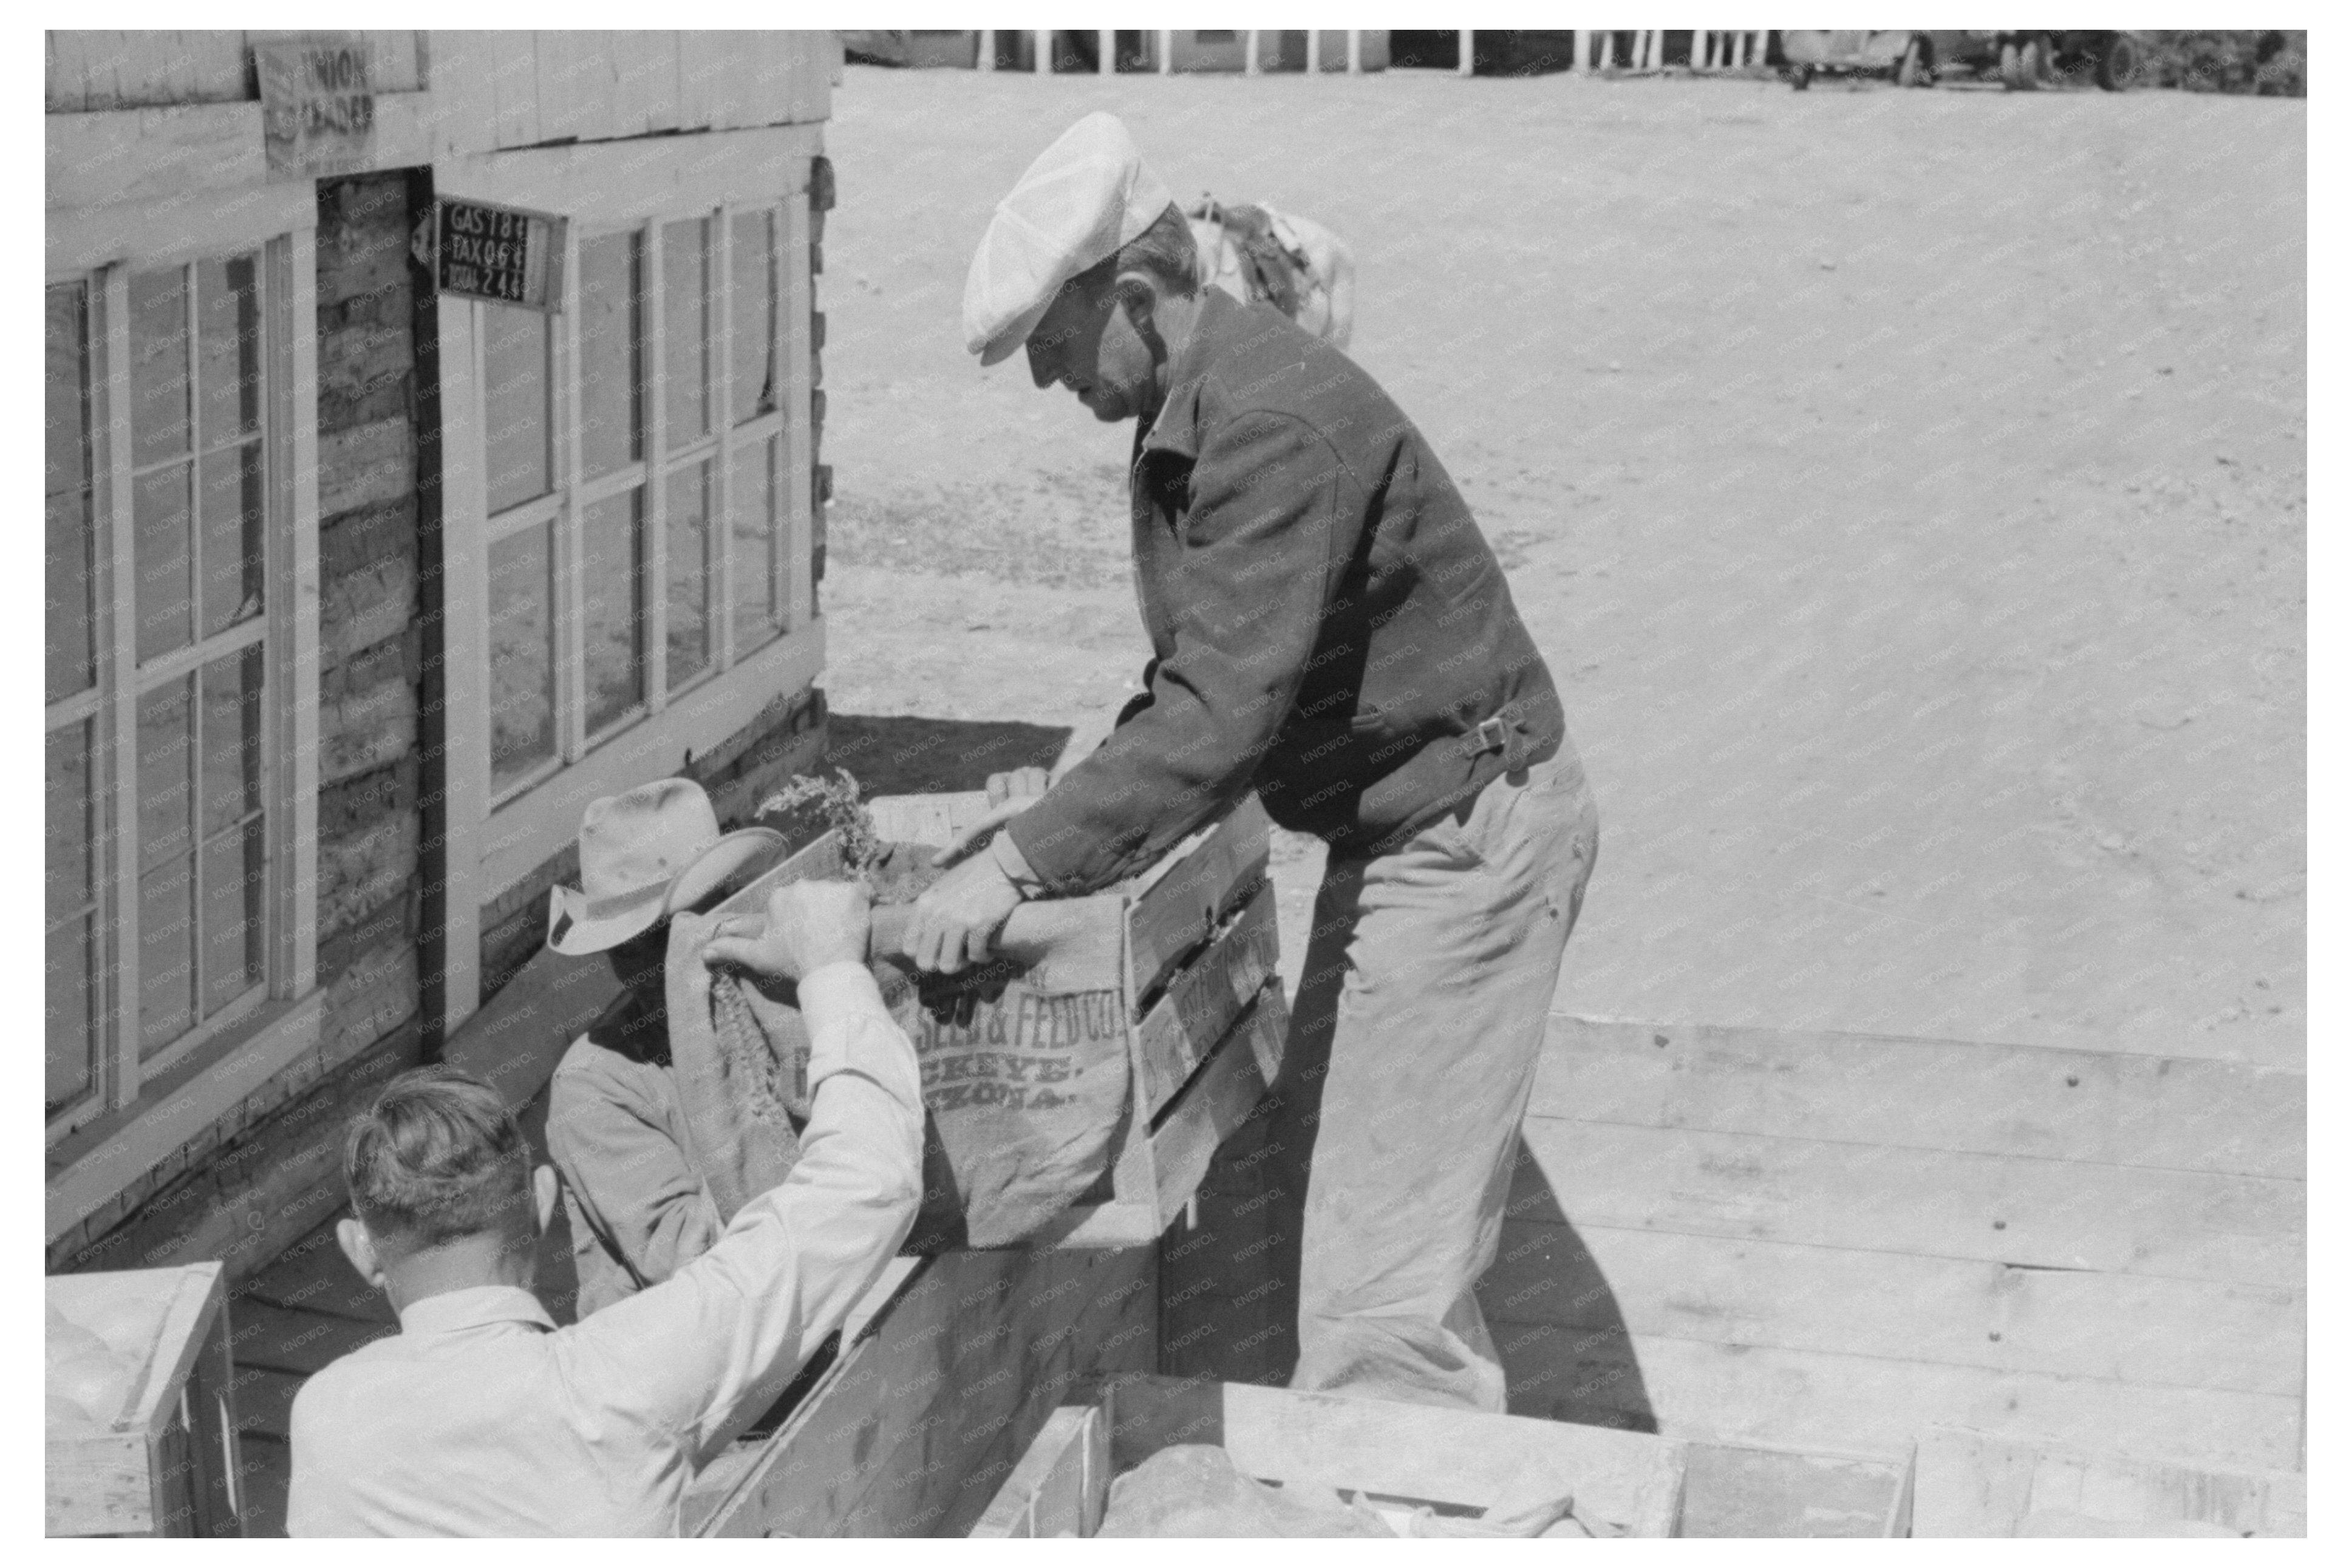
{"x":1327,"y":624}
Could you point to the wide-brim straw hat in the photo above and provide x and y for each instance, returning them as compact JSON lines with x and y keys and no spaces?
{"x":645,"y":854}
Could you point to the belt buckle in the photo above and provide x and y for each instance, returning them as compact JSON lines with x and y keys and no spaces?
{"x":1491,"y":735}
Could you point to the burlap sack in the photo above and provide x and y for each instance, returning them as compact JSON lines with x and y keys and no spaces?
{"x":1025,"y":1078}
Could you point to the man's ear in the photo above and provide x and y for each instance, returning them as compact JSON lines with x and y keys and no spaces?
{"x":542,"y":1192}
{"x":1137,"y":296}
{"x":359,"y":1248}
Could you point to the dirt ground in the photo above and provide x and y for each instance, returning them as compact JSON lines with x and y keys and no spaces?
{"x":1907,"y":489}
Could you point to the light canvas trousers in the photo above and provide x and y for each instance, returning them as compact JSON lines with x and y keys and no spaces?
{"x":1412,"y":1051}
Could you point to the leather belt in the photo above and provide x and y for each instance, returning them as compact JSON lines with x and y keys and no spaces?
{"x":1505,"y":733}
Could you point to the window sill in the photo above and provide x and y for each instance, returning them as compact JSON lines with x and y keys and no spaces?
{"x":96,"y":1163}
{"x":537,"y":821}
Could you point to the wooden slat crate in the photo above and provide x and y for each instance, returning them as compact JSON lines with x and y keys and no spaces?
{"x":952,"y":1365}
{"x":1198,"y":992}
{"x":163,"y":1460}
{"x":1808,"y":1237}
{"x":1976,"y":1484}
{"x":1400,"y":1456}
{"x":1752,"y":1490}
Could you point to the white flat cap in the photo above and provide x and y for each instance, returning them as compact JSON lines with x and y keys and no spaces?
{"x":1084,"y":196}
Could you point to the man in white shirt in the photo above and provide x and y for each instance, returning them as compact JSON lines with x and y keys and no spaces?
{"x":482,"y":1418}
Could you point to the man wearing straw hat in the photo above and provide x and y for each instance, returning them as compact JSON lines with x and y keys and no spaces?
{"x":616,"y":1128}
{"x":1329,"y":629}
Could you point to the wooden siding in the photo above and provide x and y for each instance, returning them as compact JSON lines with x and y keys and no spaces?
{"x":88,"y":72}
{"x":501,"y":90}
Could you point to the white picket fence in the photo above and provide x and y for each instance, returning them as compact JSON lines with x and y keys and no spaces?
{"x":1594,"y":50}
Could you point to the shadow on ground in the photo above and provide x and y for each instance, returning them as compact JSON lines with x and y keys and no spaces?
{"x":1566,"y":1351}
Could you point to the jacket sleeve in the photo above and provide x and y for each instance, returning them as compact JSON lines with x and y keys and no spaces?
{"x":1266,"y":538}
{"x":626,"y":1172}
{"x":1141,"y":701}
{"x":700,"y":1355}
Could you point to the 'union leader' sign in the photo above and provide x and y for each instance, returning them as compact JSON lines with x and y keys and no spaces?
{"x":317,"y":108}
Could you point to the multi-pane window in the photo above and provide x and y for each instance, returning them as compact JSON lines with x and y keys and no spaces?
{"x":156,"y":673}
{"x":71,"y":684}
{"x":630,"y":460}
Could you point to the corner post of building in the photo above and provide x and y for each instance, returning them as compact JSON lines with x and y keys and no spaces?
{"x":984,"y":58}
{"x":1106,"y":51}
{"x":1578,"y":50}
{"x":1167,"y":51}
{"x":1468,"y":62}
{"x":1044,"y":64}
{"x":1249,"y":53}
{"x":1355,"y":52}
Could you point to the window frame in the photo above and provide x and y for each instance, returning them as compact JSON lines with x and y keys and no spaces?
{"x":495,"y":844}
{"x":564,"y":508}
{"x":137,"y":1110}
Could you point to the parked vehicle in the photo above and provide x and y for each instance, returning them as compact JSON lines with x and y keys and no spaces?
{"x":2022,"y":60}
{"x":1844,"y":52}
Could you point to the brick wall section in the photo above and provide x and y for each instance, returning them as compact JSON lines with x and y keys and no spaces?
{"x":263,"y":1176}
{"x":787,"y":737}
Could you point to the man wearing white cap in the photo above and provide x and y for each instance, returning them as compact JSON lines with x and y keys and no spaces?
{"x":1329,"y":629}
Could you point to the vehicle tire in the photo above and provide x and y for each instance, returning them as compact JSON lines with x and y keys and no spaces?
{"x":2025,"y":63}
{"x":1801,"y":77}
{"x":2038,"y":64}
{"x":2119,"y":62}
{"x":1911,"y":70}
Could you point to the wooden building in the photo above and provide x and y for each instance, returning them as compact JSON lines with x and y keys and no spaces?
{"x":358,"y":588}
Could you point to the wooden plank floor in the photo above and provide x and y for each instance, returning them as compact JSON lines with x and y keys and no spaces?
{"x":1809,"y":1237}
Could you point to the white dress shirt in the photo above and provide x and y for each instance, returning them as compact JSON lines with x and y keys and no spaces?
{"x":481,"y":1418}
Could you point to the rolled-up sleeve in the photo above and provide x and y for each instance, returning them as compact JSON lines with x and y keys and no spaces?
{"x":1266,"y":538}
{"x":702,"y":1355}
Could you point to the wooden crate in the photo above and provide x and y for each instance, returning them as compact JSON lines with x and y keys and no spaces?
{"x":1401,"y":1456}
{"x":1189,"y":953}
{"x":1838,"y":1241}
{"x":1977,"y":1484}
{"x":953,"y":1363}
{"x":165,"y":1462}
{"x":1755,"y":1491}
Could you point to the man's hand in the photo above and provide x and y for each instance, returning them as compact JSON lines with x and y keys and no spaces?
{"x":1009,"y":795}
{"x":809,"y":925}
{"x":1018,"y":784}
{"x":959,"y":916}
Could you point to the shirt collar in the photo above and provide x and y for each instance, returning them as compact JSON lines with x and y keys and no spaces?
{"x":1177,"y":427}
{"x":476,"y":1307}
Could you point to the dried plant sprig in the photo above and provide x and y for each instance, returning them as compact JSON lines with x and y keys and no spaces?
{"x":845,"y":814}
